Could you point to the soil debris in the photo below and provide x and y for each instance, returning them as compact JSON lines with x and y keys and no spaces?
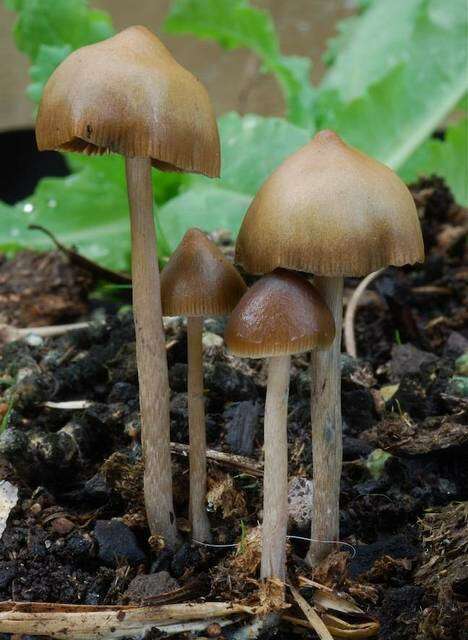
{"x":41,"y":289}
{"x":78,"y":532}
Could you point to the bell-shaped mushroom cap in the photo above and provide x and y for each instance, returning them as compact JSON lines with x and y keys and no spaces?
{"x":332,"y":211}
{"x":282,"y":313}
{"x":198,"y":280}
{"x":128,"y":95}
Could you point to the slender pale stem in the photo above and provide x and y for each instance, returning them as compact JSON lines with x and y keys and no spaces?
{"x":151,"y":353}
{"x":327,"y":447}
{"x":197,"y":432}
{"x":275,"y":480}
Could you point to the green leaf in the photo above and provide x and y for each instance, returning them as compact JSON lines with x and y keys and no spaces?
{"x":396,"y":114}
{"x":111,"y":167}
{"x":376,"y":462}
{"x":235,"y":24}
{"x":251,"y":147}
{"x":447,"y":158}
{"x":48,"y":59}
{"x":370,"y":46}
{"x":207,"y":208}
{"x":11,"y":228}
{"x":88,"y":210}
{"x":48,"y":30}
{"x":58,"y":22}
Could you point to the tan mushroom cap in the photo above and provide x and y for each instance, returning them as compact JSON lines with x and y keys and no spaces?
{"x":198,"y":280}
{"x":281,"y":314}
{"x":332,"y":211}
{"x":128,"y":95}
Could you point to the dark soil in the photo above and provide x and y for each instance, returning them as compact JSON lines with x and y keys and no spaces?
{"x":78,"y":533}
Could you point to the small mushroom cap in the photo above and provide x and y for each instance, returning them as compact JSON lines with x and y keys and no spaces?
{"x":281,"y":314}
{"x":128,"y":95}
{"x":332,"y":211}
{"x":198,"y":280}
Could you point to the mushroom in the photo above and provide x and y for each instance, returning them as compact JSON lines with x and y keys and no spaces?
{"x":281,"y":314}
{"x":332,"y":211}
{"x":198,"y":281}
{"x":128,"y":95}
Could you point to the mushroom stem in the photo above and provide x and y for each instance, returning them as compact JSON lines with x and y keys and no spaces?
{"x":327,"y":444}
{"x":275,"y":482}
{"x":151,"y":353}
{"x":197,"y":432}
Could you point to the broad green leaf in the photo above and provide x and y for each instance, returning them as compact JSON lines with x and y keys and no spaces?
{"x":252,"y":147}
{"x":13,"y":5}
{"x":236,"y":24}
{"x":395,"y":115}
{"x":48,"y":30}
{"x":111,"y":168}
{"x":48,"y":59}
{"x":89,"y":208}
{"x":208,"y":208}
{"x":370,"y":46}
{"x":447,"y":158}
{"x":58,"y":22}
{"x":86,"y":210}
{"x":11,"y":229}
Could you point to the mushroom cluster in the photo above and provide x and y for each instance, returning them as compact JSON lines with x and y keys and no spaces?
{"x":128,"y":95}
{"x":328,"y":211}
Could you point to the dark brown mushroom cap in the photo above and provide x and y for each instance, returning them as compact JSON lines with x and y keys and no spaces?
{"x":332,"y":211}
{"x":198,"y":280}
{"x":128,"y":95}
{"x":282,"y":313}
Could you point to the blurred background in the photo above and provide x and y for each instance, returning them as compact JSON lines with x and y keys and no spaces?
{"x":390,"y":77}
{"x":232,"y":78}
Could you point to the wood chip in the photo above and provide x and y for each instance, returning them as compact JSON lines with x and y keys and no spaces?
{"x":82,"y":622}
{"x":312,"y":616}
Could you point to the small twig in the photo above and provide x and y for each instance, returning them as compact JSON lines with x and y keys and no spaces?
{"x":349,"y":337}
{"x":312,"y":616}
{"x":248,"y":465}
{"x":194,"y":627}
{"x":76,"y":258}
{"x":86,"y":622}
{"x":10,"y":334}
{"x":298,"y":622}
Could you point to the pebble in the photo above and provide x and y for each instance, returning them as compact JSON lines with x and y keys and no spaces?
{"x":34,"y":340}
{"x":407,"y":359}
{"x":117,"y":542}
{"x":214,"y":630}
{"x":79,"y":546}
{"x":62,"y":526}
{"x":456,"y":345}
{"x":96,"y":488}
{"x":150,"y":585}
{"x":212,"y":340}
